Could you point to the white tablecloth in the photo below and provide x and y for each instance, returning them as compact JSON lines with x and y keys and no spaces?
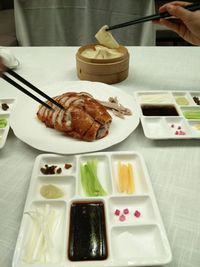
{"x":173,"y":165}
{"x":75,"y":22}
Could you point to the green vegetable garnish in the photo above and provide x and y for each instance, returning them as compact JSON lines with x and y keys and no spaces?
{"x":89,"y":179}
{"x":193,"y":114}
{"x":3,"y":123}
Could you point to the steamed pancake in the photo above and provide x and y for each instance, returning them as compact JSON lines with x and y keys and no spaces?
{"x":101,"y":52}
{"x":105,"y":38}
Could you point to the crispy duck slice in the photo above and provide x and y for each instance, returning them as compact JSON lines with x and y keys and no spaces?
{"x":83,"y":117}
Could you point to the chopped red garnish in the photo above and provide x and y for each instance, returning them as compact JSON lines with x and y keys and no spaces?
{"x":126,"y":211}
{"x":122,"y":218}
{"x":176,"y":133}
{"x":137,"y":213}
{"x":117,"y":212}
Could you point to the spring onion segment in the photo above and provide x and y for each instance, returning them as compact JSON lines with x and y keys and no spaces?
{"x":39,"y":246}
{"x":89,"y":179}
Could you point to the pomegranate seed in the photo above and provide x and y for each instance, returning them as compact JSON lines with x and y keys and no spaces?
{"x":137,"y":213}
{"x":126,"y":211}
{"x":117,"y":212}
{"x":122,"y":218}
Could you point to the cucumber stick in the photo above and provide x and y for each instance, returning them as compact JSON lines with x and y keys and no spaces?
{"x":89,"y":179}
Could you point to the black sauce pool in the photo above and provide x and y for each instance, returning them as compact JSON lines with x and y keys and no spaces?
{"x":159,"y":110}
{"x":87,"y":232}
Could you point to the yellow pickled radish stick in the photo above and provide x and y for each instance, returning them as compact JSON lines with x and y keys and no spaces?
{"x":122,"y":177}
{"x":131,"y":184}
{"x":125,"y":177}
{"x":120,"y":182}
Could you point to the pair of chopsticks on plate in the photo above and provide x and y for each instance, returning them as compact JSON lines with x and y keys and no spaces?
{"x":31,"y":86}
{"x":192,"y":7}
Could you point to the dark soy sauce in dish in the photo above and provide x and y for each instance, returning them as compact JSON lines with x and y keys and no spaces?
{"x":159,"y":110}
{"x":87,"y":233}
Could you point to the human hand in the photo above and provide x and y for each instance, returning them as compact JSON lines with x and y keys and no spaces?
{"x":187,"y":23}
{"x":2,"y":66}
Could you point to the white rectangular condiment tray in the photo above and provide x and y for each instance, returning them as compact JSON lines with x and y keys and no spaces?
{"x":170,"y":114}
{"x":6,"y":107}
{"x":120,"y":225}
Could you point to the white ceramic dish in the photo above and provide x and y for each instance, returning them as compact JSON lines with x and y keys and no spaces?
{"x":5,"y":114}
{"x":136,"y":241}
{"x":165,"y":126}
{"x":40,"y":137}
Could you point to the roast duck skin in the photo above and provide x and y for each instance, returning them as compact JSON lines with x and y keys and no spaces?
{"x":83,"y":117}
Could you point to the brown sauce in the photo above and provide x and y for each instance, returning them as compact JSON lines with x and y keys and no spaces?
{"x":87,"y":233}
{"x":159,"y":110}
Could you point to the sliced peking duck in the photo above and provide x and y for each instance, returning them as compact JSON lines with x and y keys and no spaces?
{"x":82,"y":117}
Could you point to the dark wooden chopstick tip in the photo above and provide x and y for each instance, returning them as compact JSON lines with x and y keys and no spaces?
{"x":34,"y":88}
{"x":25,"y":91}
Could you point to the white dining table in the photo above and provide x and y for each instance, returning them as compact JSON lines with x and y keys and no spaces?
{"x":173,"y":165}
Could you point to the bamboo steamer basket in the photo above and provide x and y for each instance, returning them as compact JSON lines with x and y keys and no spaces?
{"x":108,"y":71}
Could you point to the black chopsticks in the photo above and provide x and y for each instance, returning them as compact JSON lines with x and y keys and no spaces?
{"x":31,"y":86}
{"x":192,"y":7}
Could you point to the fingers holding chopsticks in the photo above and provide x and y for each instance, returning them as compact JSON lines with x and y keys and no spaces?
{"x":185,"y":23}
{"x":164,"y":7}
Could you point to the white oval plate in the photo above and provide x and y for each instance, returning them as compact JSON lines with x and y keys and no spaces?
{"x":30,"y":130}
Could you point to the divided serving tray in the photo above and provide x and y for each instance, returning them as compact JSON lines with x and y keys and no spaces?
{"x":70,"y":228}
{"x":170,"y":114}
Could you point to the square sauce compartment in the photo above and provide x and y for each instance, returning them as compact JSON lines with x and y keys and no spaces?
{"x":87,"y":233}
{"x":139,"y":244}
{"x":178,"y":126}
{"x":131,"y":210}
{"x":94,"y":176}
{"x":155,"y":97}
{"x":191,"y":113}
{"x":56,"y":187}
{"x":129,"y":162}
{"x":154,"y":126}
{"x":56,"y":165}
{"x":159,"y":110}
{"x":43,"y":238}
{"x":195,"y":97}
{"x":182,"y":98}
